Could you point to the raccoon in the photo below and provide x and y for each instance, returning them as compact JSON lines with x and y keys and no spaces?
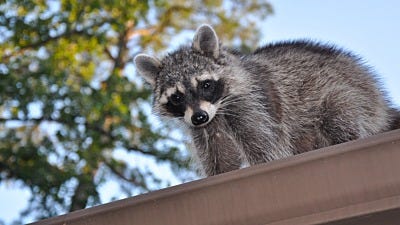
{"x":280,"y":100}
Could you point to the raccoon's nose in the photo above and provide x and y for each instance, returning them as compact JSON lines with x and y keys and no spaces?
{"x":199,"y":117}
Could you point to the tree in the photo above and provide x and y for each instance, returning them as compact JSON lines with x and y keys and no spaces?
{"x":70,"y":100}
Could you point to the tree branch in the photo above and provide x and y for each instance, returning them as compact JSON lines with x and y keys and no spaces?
{"x":85,"y":188}
{"x":154,"y":153}
{"x":59,"y":120}
{"x":37,"y":44}
{"x":108,"y":53}
{"x":123,"y":177}
{"x":140,"y":32}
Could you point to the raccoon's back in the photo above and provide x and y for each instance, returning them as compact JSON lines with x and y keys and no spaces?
{"x":307,"y":79}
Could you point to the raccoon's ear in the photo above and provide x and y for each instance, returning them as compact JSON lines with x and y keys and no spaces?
{"x":148,"y":67}
{"x":206,"y":41}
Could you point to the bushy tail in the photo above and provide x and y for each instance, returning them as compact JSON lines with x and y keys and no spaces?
{"x":395,"y":121}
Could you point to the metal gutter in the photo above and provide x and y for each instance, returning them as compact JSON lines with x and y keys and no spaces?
{"x":352,"y":183}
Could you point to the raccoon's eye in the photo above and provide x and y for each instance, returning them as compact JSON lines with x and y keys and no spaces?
{"x":207,"y":85}
{"x":176,"y":99}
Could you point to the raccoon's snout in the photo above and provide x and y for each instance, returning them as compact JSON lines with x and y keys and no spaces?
{"x":200,"y":117}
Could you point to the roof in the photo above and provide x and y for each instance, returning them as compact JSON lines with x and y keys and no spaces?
{"x":353,"y":183}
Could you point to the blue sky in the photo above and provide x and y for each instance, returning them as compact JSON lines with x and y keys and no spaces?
{"x":368,"y":28}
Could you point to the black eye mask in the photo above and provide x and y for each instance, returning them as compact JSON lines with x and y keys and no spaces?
{"x":211,"y":90}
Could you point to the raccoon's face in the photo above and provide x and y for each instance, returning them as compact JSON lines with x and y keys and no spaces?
{"x":195,"y":99}
{"x":186,"y":83}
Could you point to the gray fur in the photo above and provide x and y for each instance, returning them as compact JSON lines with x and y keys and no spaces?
{"x":206,"y":41}
{"x":148,"y":67}
{"x":280,"y":100}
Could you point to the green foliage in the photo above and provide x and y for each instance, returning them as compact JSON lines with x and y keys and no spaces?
{"x":69,"y":98}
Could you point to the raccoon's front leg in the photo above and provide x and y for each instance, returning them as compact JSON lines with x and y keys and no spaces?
{"x":260,"y":148}
{"x":260,"y":137}
{"x":217,"y":149}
